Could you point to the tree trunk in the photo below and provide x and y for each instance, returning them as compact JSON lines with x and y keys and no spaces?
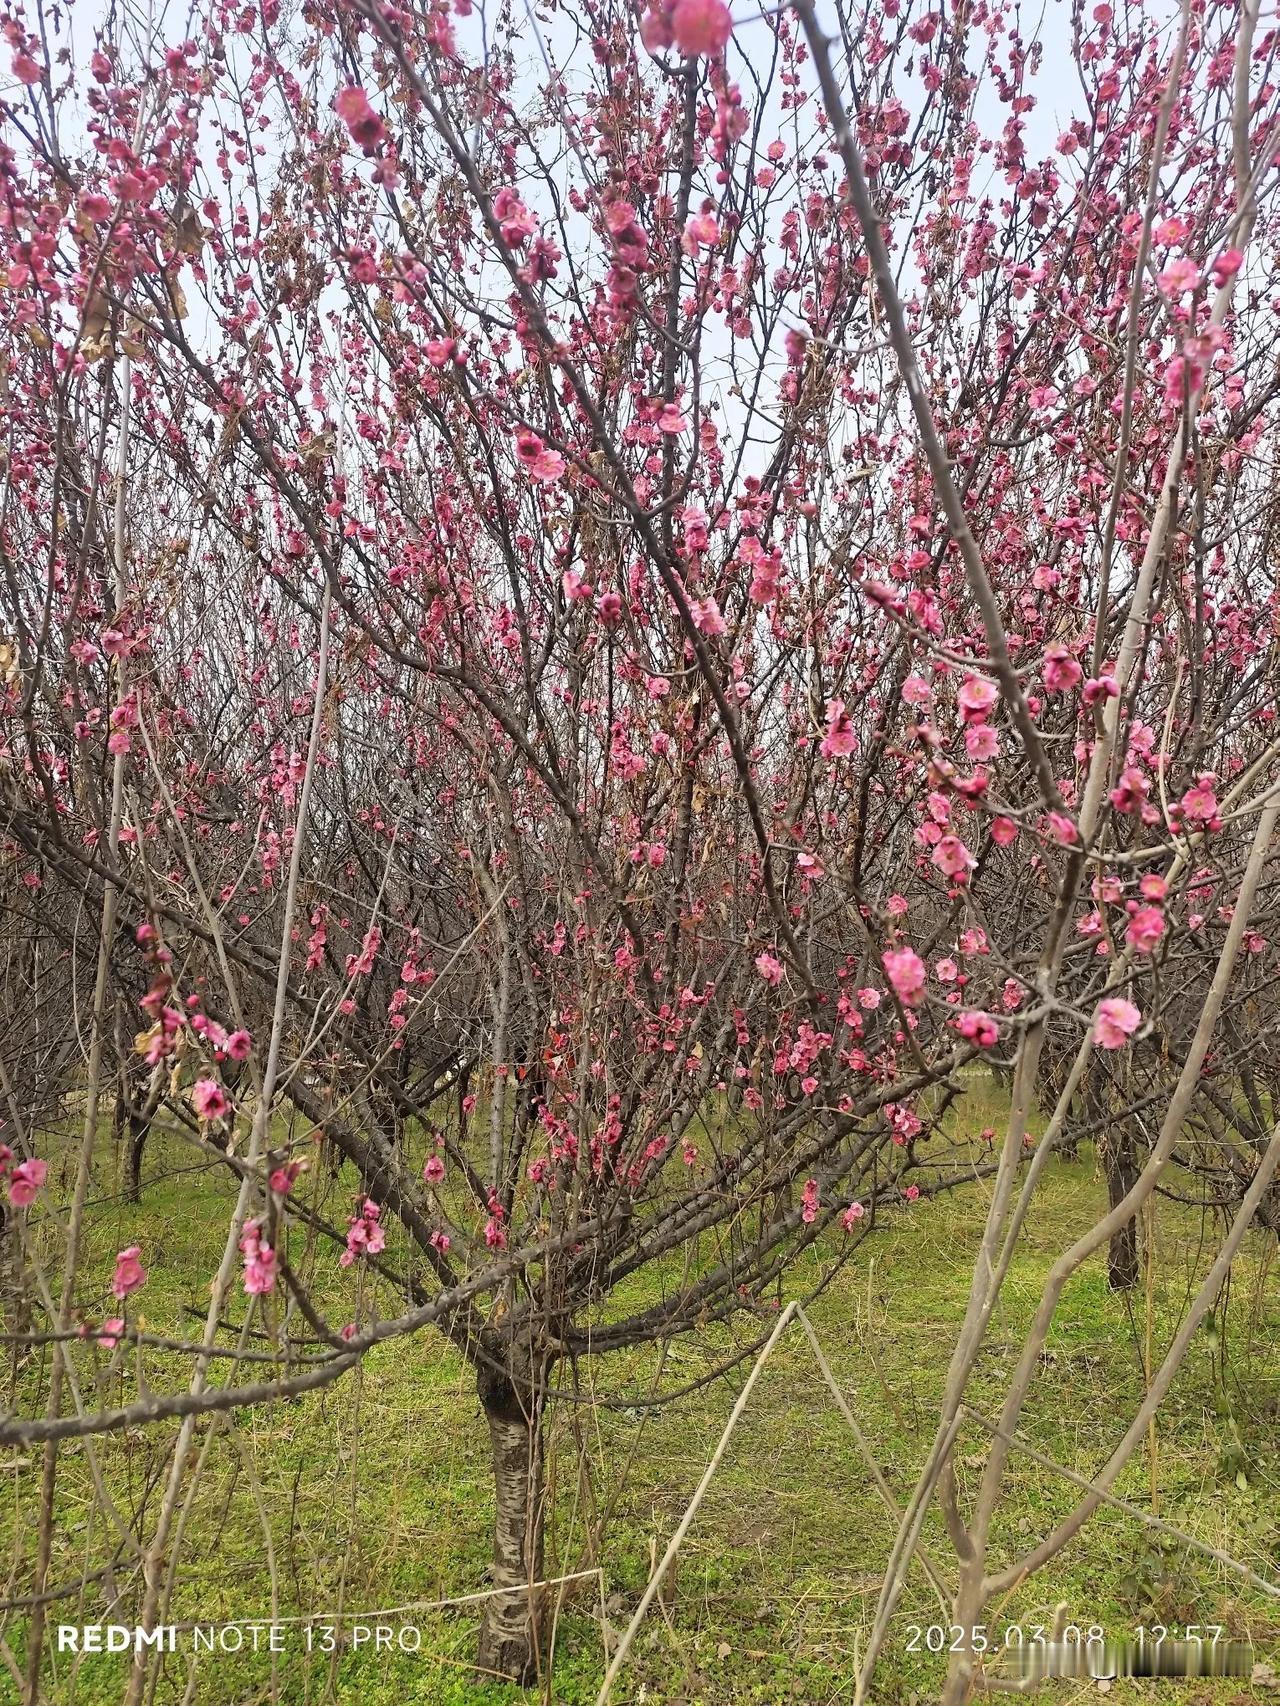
{"x":1121,"y":1168}
{"x":511,"y":1634}
{"x":139,"y":1129}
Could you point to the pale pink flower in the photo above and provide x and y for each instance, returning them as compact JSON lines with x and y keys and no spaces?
{"x":981,"y":742}
{"x":1132,"y":790}
{"x":433,"y":1170}
{"x":1061,"y":829}
{"x":976,"y":697}
{"x":1099,"y":687}
{"x":852,"y":1215}
{"x":701,"y":26}
{"x":952,"y":857}
{"x":707,"y":618}
{"x":701,"y":231}
{"x":905,"y":970}
{"x":1115,"y":1022}
{"x":1179,"y":277}
{"x":916,"y":691}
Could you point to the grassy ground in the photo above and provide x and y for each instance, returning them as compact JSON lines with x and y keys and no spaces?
{"x":375,"y":1494}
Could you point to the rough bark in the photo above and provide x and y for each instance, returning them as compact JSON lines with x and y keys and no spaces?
{"x":511,"y":1633}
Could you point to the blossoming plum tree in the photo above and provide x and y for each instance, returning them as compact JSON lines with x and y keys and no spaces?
{"x":586,"y":643}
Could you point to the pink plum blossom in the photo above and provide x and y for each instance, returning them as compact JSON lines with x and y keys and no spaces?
{"x":701,"y":26}
{"x":840,"y":738}
{"x":976,"y":697}
{"x":906,"y":973}
{"x":209,"y":1099}
{"x":365,"y":1236}
{"x":952,"y":857}
{"x":1146,"y":926}
{"x":353,"y":108}
{"x":1115,"y":1022}
{"x":260,"y":1260}
{"x":1061,"y":671}
{"x":130,"y":1274}
{"x":770,"y":968}
{"x":25,"y":1180}
{"x":1199,"y":803}
{"x":977,"y":1027}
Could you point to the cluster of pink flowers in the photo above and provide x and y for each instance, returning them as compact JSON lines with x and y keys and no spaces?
{"x":366,"y":1236}
{"x":630,"y":254}
{"x":361,"y":964}
{"x":978,"y":1027}
{"x":1061,"y":671}
{"x":366,"y":128}
{"x":260,"y":1260}
{"x":515,"y":220}
{"x":696,"y":27}
{"x":770,"y":968}
{"x":540,"y":463}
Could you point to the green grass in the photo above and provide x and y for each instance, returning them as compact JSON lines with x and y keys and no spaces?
{"x":376,"y":1493}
